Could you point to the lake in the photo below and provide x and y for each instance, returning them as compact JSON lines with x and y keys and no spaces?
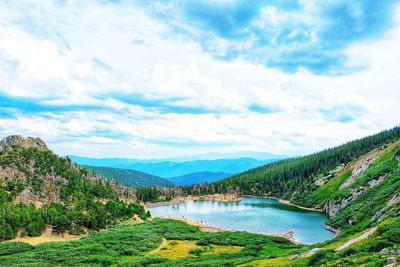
{"x":251,"y":214}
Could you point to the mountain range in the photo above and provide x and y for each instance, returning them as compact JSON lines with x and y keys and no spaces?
{"x":169,"y":169}
{"x":198,"y":178}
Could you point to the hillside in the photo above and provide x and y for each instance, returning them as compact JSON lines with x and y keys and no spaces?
{"x":40,"y":189}
{"x":169,"y":168}
{"x":198,"y":178}
{"x":130,"y":177}
{"x":294,"y":179}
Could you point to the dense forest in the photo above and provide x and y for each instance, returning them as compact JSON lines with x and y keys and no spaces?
{"x":294,"y":178}
{"x":130,"y":177}
{"x":38,"y":188}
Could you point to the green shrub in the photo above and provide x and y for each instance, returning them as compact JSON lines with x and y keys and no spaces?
{"x":320,"y":256}
{"x":196,"y":251}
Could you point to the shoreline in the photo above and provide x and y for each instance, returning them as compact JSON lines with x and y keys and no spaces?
{"x":202,"y":225}
{"x":287,"y":202}
{"x":332,"y":229}
{"x":181,"y":200}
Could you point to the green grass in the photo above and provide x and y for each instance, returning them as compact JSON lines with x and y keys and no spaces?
{"x":365,"y":252}
{"x":322,"y":195}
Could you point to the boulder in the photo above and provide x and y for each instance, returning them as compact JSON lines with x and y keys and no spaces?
{"x":385,"y":251}
{"x":391,"y":260}
{"x":358,"y":171}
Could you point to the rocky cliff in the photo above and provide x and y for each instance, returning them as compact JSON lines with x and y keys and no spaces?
{"x":18,"y":141}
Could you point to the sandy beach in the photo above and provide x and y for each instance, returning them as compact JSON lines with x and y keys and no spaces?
{"x":203,"y":226}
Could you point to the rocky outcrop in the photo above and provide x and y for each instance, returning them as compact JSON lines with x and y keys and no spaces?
{"x":322,"y":179}
{"x":358,"y":171}
{"x":391,"y":204}
{"x":332,"y":229}
{"x":19,"y":141}
{"x":335,"y":205}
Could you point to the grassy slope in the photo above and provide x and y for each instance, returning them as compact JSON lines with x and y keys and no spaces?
{"x":324,"y":193}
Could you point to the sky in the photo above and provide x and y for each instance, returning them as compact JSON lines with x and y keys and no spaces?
{"x":160,"y":79}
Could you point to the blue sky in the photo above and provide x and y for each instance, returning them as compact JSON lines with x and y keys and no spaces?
{"x":153,"y":79}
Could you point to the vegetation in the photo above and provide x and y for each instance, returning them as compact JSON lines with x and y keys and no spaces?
{"x":130,"y":177}
{"x":133,"y":246}
{"x":38,"y":188}
{"x":163,"y":242}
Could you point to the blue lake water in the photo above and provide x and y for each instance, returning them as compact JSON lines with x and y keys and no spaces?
{"x":251,"y":214}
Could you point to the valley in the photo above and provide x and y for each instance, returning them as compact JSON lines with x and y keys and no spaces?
{"x":356,"y":185}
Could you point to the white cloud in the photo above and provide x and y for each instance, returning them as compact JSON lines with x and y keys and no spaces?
{"x":101,"y":57}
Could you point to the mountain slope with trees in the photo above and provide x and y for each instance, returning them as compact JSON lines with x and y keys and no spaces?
{"x":130,"y":177}
{"x":198,"y":178}
{"x":294,"y":179}
{"x":38,"y":188}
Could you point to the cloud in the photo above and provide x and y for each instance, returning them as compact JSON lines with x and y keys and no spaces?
{"x":289,"y":35}
{"x":110,"y":79}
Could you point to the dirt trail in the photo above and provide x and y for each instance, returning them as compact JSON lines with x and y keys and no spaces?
{"x":354,"y":240}
{"x":163,"y":244}
{"x":45,"y":238}
{"x":344,"y":246}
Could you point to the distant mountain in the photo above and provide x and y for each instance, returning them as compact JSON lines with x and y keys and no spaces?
{"x":172,"y":168}
{"x":115,"y":162}
{"x":198,"y":178}
{"x":109,"y":162}
{"x":232,"y":155}
{"x":130,"y":177}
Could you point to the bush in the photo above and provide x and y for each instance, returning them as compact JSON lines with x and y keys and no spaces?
{"x":202,"y":242}
{"x":319,"y":256}
{"x":196,"y":251}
